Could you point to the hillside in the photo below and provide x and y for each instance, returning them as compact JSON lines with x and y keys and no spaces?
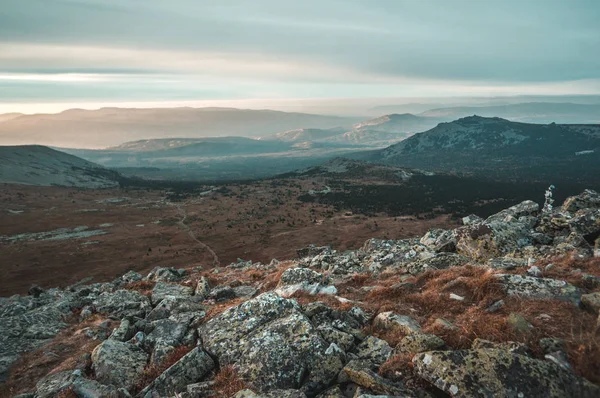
{"x":113,"y":126}
{"x":39,"y":165}
{"x":489,"y":306}
{"x":502,"y":148}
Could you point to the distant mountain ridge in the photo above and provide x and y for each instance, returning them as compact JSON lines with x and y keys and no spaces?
{"x":43,"y":166}
{"x":108,"y":127}
{"x":531,"y":112}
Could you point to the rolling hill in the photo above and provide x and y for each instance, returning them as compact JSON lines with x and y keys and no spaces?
{"x":43,"y":166}
{"x":500,"y":148}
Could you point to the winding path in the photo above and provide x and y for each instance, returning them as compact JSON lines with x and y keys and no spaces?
{"x":192,"y":234}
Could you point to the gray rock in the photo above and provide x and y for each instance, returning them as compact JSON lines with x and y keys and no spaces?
{"x":122,"y":303}
{"x":499,"y":373}
{"x":172,"y":306}
{"x":539,"y":288}
{"x":272,"y":344}
{"x":202,"y":288}
{"x":439,"y":240}
{"x":401,"y":323}
{"x":306,"y":280}
{"x":166,"y":274}
{"x":588,"y":199}
{"x":163,"y":290}
{"x":191,"y":368}
{"x":360,"y":373}
{"x":419,"y":342}
{"x":124,"y":332}
{"x":118,"y":364}
{"x":374,"y":350}
{"x":222,"y":293}
{"x":245,"y":291}
{"x":591,"y":301}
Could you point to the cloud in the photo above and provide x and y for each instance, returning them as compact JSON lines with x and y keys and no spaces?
{"x":297,"y":49}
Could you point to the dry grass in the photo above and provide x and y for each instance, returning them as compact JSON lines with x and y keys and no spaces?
{"x":304,"y":298}
{"x":221,"y":307}
{"x":152,"y":371}
{"x":144,"y":287}
{"x":64,"y":352}
{"x":228,"y":382}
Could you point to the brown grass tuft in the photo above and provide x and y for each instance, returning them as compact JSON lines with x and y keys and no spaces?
{"x":219,"y":308}
{"x":144,"y":287}
{"x":152,"y":371}
{"x":228,"y":382}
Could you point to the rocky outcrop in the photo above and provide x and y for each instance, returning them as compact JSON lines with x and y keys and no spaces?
{"x":273,"y":344}
{"x":499,"y":373}
{"x":118,"y":364}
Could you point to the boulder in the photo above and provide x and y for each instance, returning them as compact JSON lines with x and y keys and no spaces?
{"x":360,"y":373}
{"x":499,"y":373}
{"x":122,"y":303}
{"x":306,"y":280}
{"x":163,"y":290}
{"x":118,"y":364}
{"x":591,"y":301}
{"x":419,"y":342}
{"x":439,"y":240}
{"x":374,"y":350}
{"x":273,"y":345}
{"x":588,"y":199}
{"x":202,"y":288}
{"x":166,"y":274}
{"x":539,"y":288}
{"x":173,"y":306}
{"x":394,"y":322}
{"x":191,"y":368}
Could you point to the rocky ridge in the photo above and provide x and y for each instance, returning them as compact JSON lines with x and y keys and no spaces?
{"x":485,"y":310}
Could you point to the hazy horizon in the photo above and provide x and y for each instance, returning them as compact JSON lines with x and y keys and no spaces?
{"x":316,"y":57}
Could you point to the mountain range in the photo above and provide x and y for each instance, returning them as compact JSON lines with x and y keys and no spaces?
{"x":113,"y":126}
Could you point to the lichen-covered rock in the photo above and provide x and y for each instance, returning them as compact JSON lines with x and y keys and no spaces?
{"x":271,"y":394}
{"x":306,"y":280}
{"x":499,"y":373}
{"x":202,"y":288}
{"x":588,"y":199}
{"x":401,"y":323}
{"x":222,"y":293}
{"x":512,"y":346}
{"x":273,"y":345}
{"x":166,"y":274}
{"x":439,"y":240}
{"x":591,"y":301}
{"x":28,"y":322}
{"x":333,"y":392}
{"x":163,"y":290}
{"x":360,"y":373}
{"x":245,"y":291}
{"x":122,"y":303}
{"x":170,"y":306}
{"x":492,"y":238}
{"x":55,"y":384}
{"x":118,"y":364}
{"x":374,"y":350}
{"x":166,"y":334}
{"x":191,"y":368}
{"x":419,"y":342}
{"x":539,"y":288}
{"x":437,"y":261}
{"x":124,"y":332}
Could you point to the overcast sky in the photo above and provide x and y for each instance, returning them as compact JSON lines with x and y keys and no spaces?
{"x":117,"y":51}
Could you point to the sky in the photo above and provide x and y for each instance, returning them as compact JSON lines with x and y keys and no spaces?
{"x":56,"y":54}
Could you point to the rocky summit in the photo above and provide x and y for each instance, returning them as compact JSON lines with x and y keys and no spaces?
{"x":505,"y":306}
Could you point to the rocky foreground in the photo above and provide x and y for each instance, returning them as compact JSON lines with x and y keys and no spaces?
{"x":502,"y":307}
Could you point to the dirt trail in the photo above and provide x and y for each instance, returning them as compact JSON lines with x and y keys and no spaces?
{"x":192,"y":234}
